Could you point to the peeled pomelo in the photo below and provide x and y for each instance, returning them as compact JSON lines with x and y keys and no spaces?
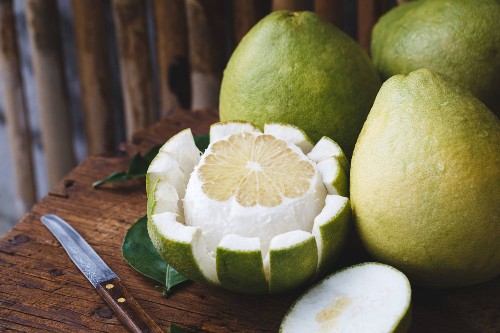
{"x":254,"y":214}
{"x":297,"y":68}
{"x":425,"y":182}
{"x":368,"y":297}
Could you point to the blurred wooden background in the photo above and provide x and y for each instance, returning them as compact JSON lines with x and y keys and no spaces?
{"x":135,"y":60}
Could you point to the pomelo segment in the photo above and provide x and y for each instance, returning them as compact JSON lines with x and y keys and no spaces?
{"x":326,"y":148}
{"x":239,"y":265}
{"x":330,"y":229}
{"x":368,"y":297}
{"x":291,"y":134}
{"x":292,"y":260}
{"x":333,"y":176}
{"x":183,"y":247}
{"x":220,"y":130}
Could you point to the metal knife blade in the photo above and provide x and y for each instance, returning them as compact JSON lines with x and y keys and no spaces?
{"x":80,"y":252}
{"x":104,"y":280}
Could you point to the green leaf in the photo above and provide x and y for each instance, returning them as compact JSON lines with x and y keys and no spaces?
{"x":115,"y":177}
{"x":139,"y":252}
{"x":202,"y":141}
{"x":173,"y":278}
{"x":175,"y":329}
{"x":139,"y":164}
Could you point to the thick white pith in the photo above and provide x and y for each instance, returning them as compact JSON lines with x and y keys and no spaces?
{"x":208,"y":237}
{"x":369,"y":297}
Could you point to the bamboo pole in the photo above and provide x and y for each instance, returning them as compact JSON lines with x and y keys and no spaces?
{"x":173,"y":55}
{"x":206,"y":50}
{"x":43,"y":24}
{"x":135,"y":63}
{"x":246,"y":14}
{"x":16,"y":114}
{"x":331,"y":10}
{"x":92,"y":42}
{"x":293,"y":5}
{"x":369,"y":12}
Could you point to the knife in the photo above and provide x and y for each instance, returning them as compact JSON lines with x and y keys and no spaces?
{"x":104,"y":280}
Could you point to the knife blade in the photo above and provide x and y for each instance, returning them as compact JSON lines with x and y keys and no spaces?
{"x":104,"y":280}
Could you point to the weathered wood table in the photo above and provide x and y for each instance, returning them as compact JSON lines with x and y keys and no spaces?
{"x":41,"y":290}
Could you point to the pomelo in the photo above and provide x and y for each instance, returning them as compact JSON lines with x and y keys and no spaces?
{"x":458,"y":38}
{"x":254,"y":213}
{"x":296,"y":68}
{"x":369,"y":297}
{"x":425,"y":181}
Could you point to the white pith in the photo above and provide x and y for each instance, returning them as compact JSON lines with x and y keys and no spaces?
{"x":290,"y":134}
{"x":369,"y":297}
{"x":227,"y":224}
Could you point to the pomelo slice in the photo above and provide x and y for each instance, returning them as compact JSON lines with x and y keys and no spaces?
{"x":290,"y":134}
{"x":219,"y":131}
{"x":326,"y":148}
{"x":368,"y":297}
{"x":254,"y":214}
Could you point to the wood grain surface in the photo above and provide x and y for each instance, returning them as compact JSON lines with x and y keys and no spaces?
{"x":41,"y":290}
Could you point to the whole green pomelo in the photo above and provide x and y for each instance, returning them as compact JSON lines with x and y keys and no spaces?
{"x":296,"y":68}
{"x":425,"y":181}
{"x":458,"y":38}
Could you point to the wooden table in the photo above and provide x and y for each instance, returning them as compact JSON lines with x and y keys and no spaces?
{"x":42,"y":290}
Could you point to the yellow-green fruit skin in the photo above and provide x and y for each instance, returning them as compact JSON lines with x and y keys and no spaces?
{"x":425,"y":182}
{"x":458,"y":38}
{"x":296,"y":68}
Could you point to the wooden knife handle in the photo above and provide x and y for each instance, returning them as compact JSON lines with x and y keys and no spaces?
{"x":126,"y":307}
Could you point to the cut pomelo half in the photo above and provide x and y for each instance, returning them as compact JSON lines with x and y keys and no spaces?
{"x":258,"y":215}
{"x":290,"y":134}
{"x":368,"y":297}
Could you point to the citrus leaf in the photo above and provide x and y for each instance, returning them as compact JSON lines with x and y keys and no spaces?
{"x":173,"y":278}
{"x":140,"y":253}
{"x":139,"y":164}
{"x":115,"y":177}
{"x":175,"y":329}
{"x":202,"y":141}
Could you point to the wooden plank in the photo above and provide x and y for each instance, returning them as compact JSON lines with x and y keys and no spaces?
{"x":294,"y":5}
{"x":135,"y":63}
{"x":331,"y":10}
{"x":207,"y":43}
{"x":246,"y":13}
{"x":369,"y":12}
{"x":172,"y":48}
{"x":42,"y":290}
{"x":16,"y":113}
{"x":43,"y":27}
{"x":92,"y":42}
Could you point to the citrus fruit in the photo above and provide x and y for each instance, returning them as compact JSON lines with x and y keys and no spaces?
{"x":254,"y":213}
{"x":369,"y":297}
{"x":425,"y":181}
{"x":458,"y":38}
{"x":296,"y":68}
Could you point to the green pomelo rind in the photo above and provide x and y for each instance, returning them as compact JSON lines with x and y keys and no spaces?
{"x":178,"y":254}
{"x":402,"y":325}
{"x":326,"y":148}
{"x":299,"y":69}
{"x":241,"y":271}
{"x":458,"y":38}
{"x":340,"y":182}
{"x":424,"y":182}
{"x":304,"y":143}
{"x":293,"y":266}
{"x":333,"y":235}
